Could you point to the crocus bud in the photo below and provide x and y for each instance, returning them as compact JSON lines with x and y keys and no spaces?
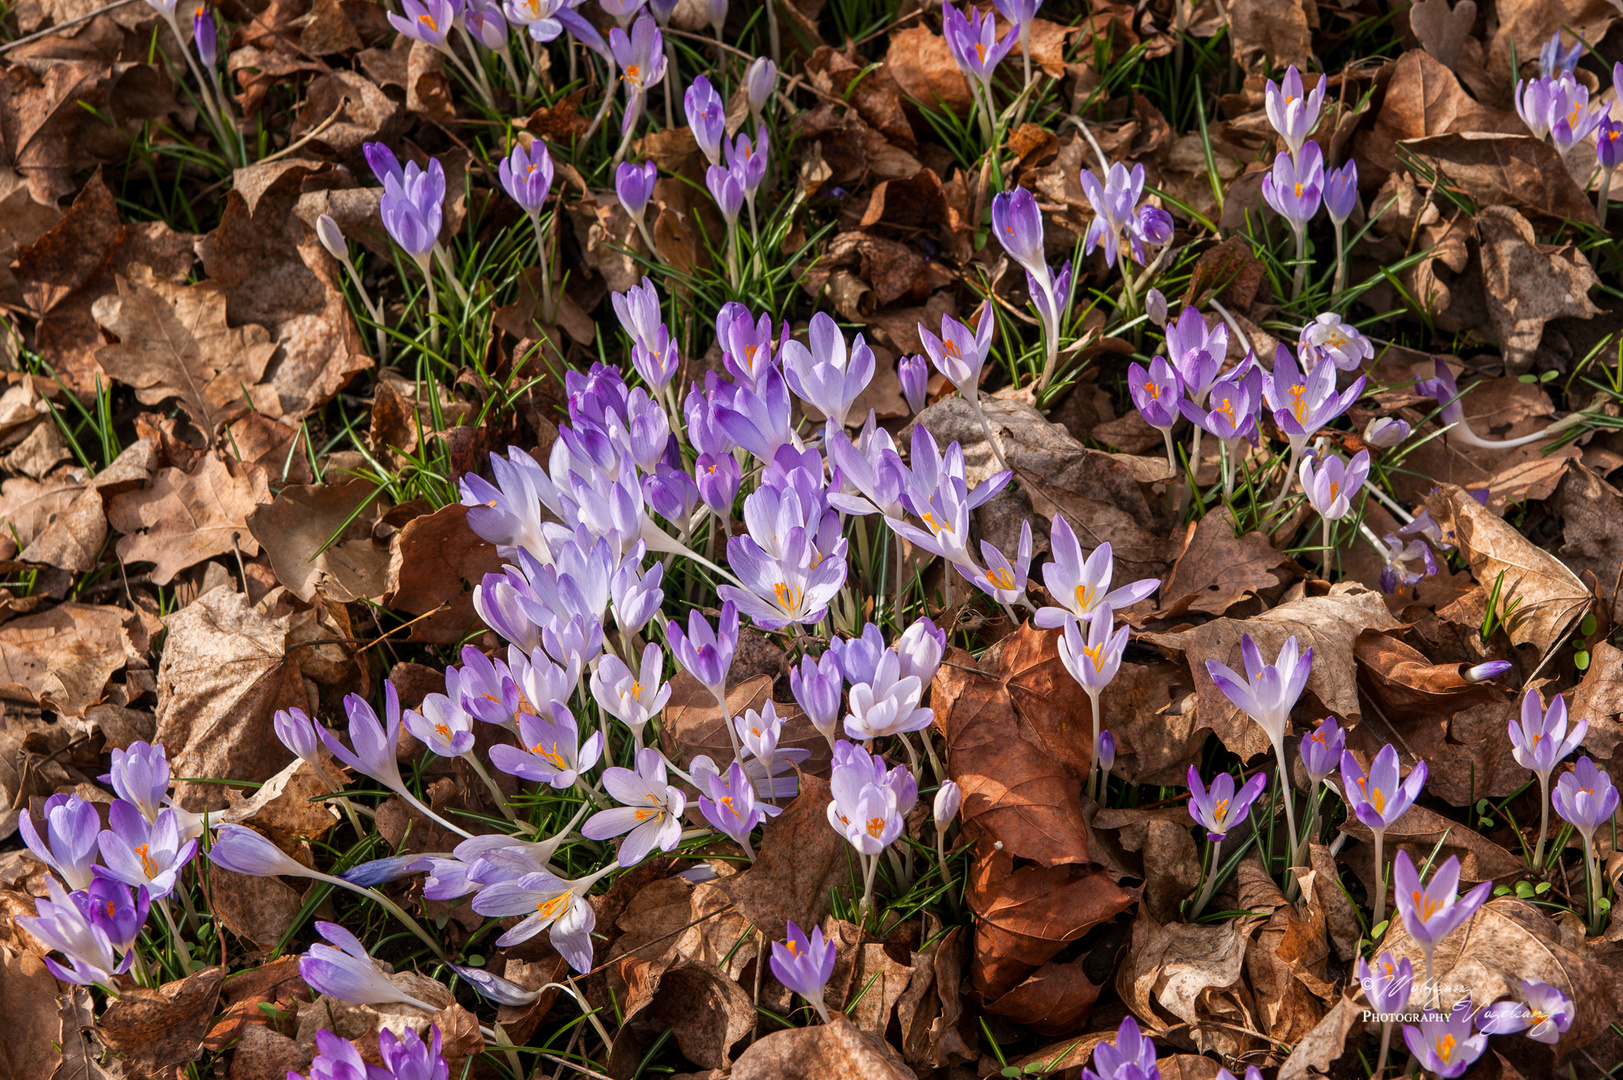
{"x":1386,"y":431}
{"x":947,"y":801}
{"x":1608,"y":148}
{"x":1107,"y":752}
{"x":760,"y":80}
{"x":718,"y":15}
{"x":332,"y":237}
{"x":1155,"y":306}
{"x":205,"y":37}
{"x":914,"y":374}
{"x":1483,"y":672}
{"x":240,"y":850}
{"x":634,"y":184}
{"x":1341,"y":192}
{"x":663,"y":10}
{"x":297,"y":732}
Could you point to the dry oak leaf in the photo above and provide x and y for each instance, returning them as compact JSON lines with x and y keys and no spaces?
{"x":1408,"y":687}
{"x":1314,"y":1053}
{"x":1018,"y":745}
{"x":1218,"y":569}
{"x":1182,"y":981}
{"x":28,"y":1050}
{"x":183,"y":349}
{"x":835,"y":1051}
{"x":867,"y":981}
{"x":1591,"y":543}
{"x":434,"y":563}
{"x":159,"y":1031}
{"x":1442,"y":30}
{"x":1280,"y":30}
{"x":1328,"y":624}
{"x":184,"y":518}
{"x":922,"y":65}
{"x":1509,"y":940}
{"x":1526,"y":284}
{"x":694,"y":723}
{"x":226,"y":669}
{"x":1551,"y":598}
{"x":1424,"y":98}
{"x":63,"y":657}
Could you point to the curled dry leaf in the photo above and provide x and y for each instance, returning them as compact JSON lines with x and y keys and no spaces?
{"x":1278,"y":30}
{"x":1180,"y":977}
{"x":1019,"y":743}
{"x":705,"y":1010}
{"x":1315,"y":1052}
{"x":1509,"y":940}
{"x":159,"y":1031}
{"x":1548,"y":597}
{"x":1408,"y":687}
{"x":434,"y":563}
{"x":1329,"y":624}
{"x":1599,"y":699}
{"x":821,"y":1052}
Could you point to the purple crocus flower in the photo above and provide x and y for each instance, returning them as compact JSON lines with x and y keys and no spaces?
{"x":633,"y":698}
{"x":1002,"y":580}
{"x":1130,"y":1057}
{"x":1341,"y":192}
{"x":1081,"y":585}
{"x":823,"y":375}
{"x":1196,"y":351}
{"x":650,"y":810}
{"x":140,"y":774}
{"x":441,"y":723}
{"x":718,"y":477}
{"x":412,"y":209}
{"x":920,"y":648}
{"x":375,"y":740}
{"x":1270,"y":691}
{"x":1331,"y":486}
{"x":349,"y":973}
{"x":1303,"y":404}
{"x":705,"y":653}
{"x":621,"y":10}
{"x":552,"y":752}
{"x":1156,"y":393}
{"x":240,"y":850}
{"x":1222,"y":809}
{"x":1397,"y":574}
{"x":641,"y":57}
{"x":707,"y":117}
{"x":116,"y":910}
{"x":547,"y":903}
{"x":64,"y":927}
{"x":1608,"y":150}
{"x":1017,"y":222}
{"x":914,"y":375}
{"x":205,"y":36}
{"x":1294,"y":114}
{"x":759,"y":419}
{"x":887,"y":703}
{"x":428,"y":21}
{"x":1553,"y":58}
{"x":816,"y":685}
{"x":139,"y":852}
{"x":748,"y":160}
{"x":1432,"y":912}
{"x":1540,"y":741}
{"x":1572,"y":117}
{"x":485,"y":23}
{"x":408,"y":1057}
{"x":960,"y":353}
{"x":867,"y":813}
{"x":948,"y":798}
{"x":972,"y":40}
{"x":1379,"y":799}
{"x":805,"y":965}
{"x":1321,"y":750}
{"x":858,"y":657}
{"x":1328,"y":338}
{"x":1115,"y":211}
{"x":1388,"y":984}
{"x":1232,"y":415}
{"x":1093,"y":661}
{"x":1544,"y":1012}
{"x":69,"y":846}
{"x":1585,"y":798}
{"x":727,"y":188}
{"x":731,"y":809}
{"x":1443,"y":1043}
{"x":793,"y":587}
{"x":526,"y":176}
{"x":486,"y":688}
{"x":1294,"y":186}
{"x":634,"y":185}
{"x":1386,"y":432}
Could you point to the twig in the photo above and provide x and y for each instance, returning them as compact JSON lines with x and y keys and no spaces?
{"x":64,"y":25}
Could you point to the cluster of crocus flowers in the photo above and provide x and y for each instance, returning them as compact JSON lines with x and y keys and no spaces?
{"x":1540,"y":741}
{"x":114,"y":875}
{"x":1299,"y":182}
{"x":1557,"y":107}
{"x":1017,"y":222}
{"x":973,"y":42}
{"x":407,"y":1056}
{"x":869,"y":801}
{"x":1586,"y":799}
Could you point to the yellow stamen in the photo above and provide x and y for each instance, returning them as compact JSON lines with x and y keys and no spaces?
{"x":1095,"y":653}
{"x":1425,"y":906}
{"x":937,"y":527}
{"x":1001,"y":578}
{"x":788,"y":596}
{"x":148,"y":867}
{"x":551,"y":909}
{"x":1445,"y":1047}
{"x":876,"y":826}
{"x":1084,"y":597}
{"x":554,"y":758}
{"x":428,"y":20}
{"x":1221,"y":812}
{"x":444,"y":730}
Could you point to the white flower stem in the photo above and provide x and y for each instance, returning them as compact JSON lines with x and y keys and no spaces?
{"x":1300,"y":278}
{"x":1341,"y":259}
{"x":986,"y":428}
{"x":1210,"y":884}
{"x":392,"y":908}
{"x":1543,"y":820}
{"x":870,"y":866}
{"x":1386,"y":1048}
{"x":472,"y":759}
{"x":1380,"y":881}
{"x":1093,"y":766}
{"x":175,"y":936}
{"x":1290,"y":478}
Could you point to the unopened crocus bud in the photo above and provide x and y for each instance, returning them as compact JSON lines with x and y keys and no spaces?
{"x":634,"y":184}
{"x":332,"y":238}
{"x":1107,"y":752}
{"x":1155,"y":306}
{"x":240,"y":850}
{"x":205,"y":37}
{"x":1483,"y":672}
{"x":760,"y":81}
{"x":1608,"y":146}
{"x":1386,"y":431}
{"x":718,"y":15}
{"x":947,"y":801}
{"x":297,"y":732}
{"x":914,"y":374}
{"x":1341,"y":192}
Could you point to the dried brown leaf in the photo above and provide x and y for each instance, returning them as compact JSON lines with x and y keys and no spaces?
{"x":184,"y":518}
{"x":159,"y":1031}
{"x":1179,"y":977}
{"x":1548,"y":597}
{"x":1527,"y":284}
{"x":1218,"y":569}
{"x":1279,"y":30}
{"x":823,"y":1052}
{"x":63,"y":657}
{"x":295,"y":530}
{"x":1592,"y":545}
{"x":801,"y":861}
{"x":434,"y":563}
{"x":33,"y":1030}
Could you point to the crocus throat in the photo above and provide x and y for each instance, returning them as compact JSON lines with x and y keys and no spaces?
{"x":1445,"y":1048}
{"x":148,"y":867}
{"x":1001,"y":578}
{"x":550,"y":909}
{"x":876,"y":826}
{"x":1425,"y":906}
{"x":1084,"y":597}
